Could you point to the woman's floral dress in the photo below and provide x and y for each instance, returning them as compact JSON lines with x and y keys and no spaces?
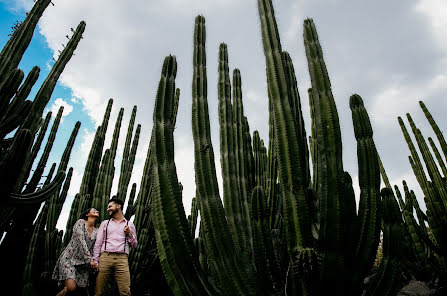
{"x":73,"y":263}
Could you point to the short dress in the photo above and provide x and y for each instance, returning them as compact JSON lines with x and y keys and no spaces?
{"x":73,"y":263}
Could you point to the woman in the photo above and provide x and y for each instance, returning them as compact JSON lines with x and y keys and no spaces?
{"x":75,"y":261}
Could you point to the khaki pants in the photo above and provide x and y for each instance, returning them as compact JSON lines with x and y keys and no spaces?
{"x":117,"y":264}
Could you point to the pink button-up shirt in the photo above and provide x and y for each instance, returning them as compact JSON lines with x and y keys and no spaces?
{"x":116,"y":238}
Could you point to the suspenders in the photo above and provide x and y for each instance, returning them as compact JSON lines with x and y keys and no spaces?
{"x":125,"y":238}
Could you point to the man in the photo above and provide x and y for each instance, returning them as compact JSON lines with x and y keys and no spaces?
{"x":114,"y":239}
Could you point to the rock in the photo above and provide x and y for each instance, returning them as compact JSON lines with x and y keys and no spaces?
{"x":416,"y":288}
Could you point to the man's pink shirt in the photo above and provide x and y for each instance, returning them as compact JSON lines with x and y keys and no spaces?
{"x":116,"y":238}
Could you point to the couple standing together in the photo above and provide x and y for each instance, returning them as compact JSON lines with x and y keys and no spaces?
{"x":104,"y":249}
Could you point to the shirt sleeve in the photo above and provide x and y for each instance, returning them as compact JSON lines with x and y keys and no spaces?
{"x":99,"y":241}
{"x":132,"y":238}
{"x":79,"y":232}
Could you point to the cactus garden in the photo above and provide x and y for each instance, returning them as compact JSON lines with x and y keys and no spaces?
{"x":286,"y":219}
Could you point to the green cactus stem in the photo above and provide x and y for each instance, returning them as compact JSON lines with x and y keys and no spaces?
{"x":368,"y":221}
{"x":9,"y":88}
{"x":128,"y":157}
{"x":329,"y":166}
{"x":44,"y":94}
{"x":50,"y":174}
{"x":38,"y":196}
{"x":435,"y":128}
{"x":29,"y":286}
{"x":441,"y":162}
{"x":219,"y":243}
{"x":122,"y":184}
{"x":10,"y":123}
{"x":269,"y":274}
{"x":242,"y":158}
{"x":231,"y":189}
{"x":14,"y":49}
{"x":23,"y":91}
{"x":295,"y":105}
{"x":174,"y":243}
{"x":193,"y":217}
{"x":291,"y":177}
{"x":175,"y":108}
{"x":388,"y":277}
{"x":36,"y":147}
{"x":100,"y":187}
{"x":94,"y":156}
{"x":67,"y":152}
{"x":34,"y":181}
{"x":130,"y":210}
{"x":12,"y":162}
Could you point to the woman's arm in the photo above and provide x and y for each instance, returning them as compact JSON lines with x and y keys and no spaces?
{"x":99,"y":241}
{"x":79,"y":233}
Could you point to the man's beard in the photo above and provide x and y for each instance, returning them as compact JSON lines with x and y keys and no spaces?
{"x":112,"y":213}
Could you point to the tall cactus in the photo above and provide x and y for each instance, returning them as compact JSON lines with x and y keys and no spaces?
{"x":29,"y":274}
{"x":36,"y":147}
{"x":94,"y":156}
{"x":9,"y":88}
{"x":173,"y":238}
{"x":231,"y":185}
{"x":128,"y":156}
{"x":32,"y":184}
{"x":14,"y":49}
{"x":219,"y":243}
{"x":387,"y":280}
{"x":366,"y":224}
{"x":18,"y":109}
{"x":326,"y":239}
{"x":292,"y":180}
{"x":433,"y":188}
{"x":44,"y":94}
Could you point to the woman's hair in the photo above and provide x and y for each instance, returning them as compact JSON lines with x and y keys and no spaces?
{"x":84,"y":214}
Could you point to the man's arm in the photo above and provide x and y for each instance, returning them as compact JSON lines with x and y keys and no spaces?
{"x":132,"y":237}
{"x":99,"y":242}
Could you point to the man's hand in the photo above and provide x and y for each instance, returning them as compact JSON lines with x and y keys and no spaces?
{"x":94,"y":265}
{"x":127,"y":230}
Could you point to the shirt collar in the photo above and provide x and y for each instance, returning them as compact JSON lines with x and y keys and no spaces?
{"x":124,"y":219}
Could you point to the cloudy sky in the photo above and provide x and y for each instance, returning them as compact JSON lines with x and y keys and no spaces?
{"x":392,"y":53}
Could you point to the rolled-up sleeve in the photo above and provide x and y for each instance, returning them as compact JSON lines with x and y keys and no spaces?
{"x":99,"y":242}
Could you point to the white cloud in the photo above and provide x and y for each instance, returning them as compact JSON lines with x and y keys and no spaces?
{"x":59,"y":102}
{"x":435,"y":12}
{"x":254,"y":97}
{"x":87,"y":141}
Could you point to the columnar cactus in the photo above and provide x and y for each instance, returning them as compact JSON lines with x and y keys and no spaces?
{"x":18,"y":109}
{"x":218,"y":239}
{"x":32,"y":184}
{"x":128,"y":156}
{"x":174,"y":242}
{"x":14,"y":49}
{"x":33,"y":254}
{"x":434,"y":190}
{"x":36,"y":147}
{"x":44,"y":94}
{"x":326,"y":239}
